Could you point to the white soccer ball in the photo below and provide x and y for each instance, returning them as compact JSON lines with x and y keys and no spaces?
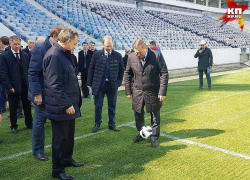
{"x":146,"y":132}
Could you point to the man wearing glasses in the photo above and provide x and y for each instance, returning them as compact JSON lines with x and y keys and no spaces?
{"x":205,"y":57}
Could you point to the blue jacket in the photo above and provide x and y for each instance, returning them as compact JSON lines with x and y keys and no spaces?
{"x":10,"y":70}
{"x":35,"y":75}
{"x":97,"y":70}
{"x":60,"y":84}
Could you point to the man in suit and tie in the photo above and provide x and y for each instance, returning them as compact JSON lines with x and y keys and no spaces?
{"x":84,"y":58}
{"x":105,"y":76}
{"x":14,"y":65}
{"x":150,"y":74}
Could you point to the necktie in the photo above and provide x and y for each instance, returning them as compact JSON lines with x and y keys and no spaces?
{"x":85,"y":54}
{"x":17,"y":56}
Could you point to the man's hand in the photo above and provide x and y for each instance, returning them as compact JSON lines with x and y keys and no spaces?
{"x":161,"y":97}
{"x":210,"y":67}
{"x":89,"y":87}
{"x":12,"y":90}
{"x":79,"y":74}
{"x":200,"y":51}
{"x":0,"y":118}
{"x":38,"y":99}
{"x":129,"y":96}
{"x":70,"y":110}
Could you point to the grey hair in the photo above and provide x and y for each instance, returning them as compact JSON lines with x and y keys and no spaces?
{"x":139,"y":43}
{"x":14,"y":38}
{"x":67,"y":34}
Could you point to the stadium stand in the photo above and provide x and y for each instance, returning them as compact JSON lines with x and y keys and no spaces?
{"x":171,"y":31}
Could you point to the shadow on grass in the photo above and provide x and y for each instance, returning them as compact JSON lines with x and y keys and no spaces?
{"x":198,"y":133}
{"x":115,"y":156}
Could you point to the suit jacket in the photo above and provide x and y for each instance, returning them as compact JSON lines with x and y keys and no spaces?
{"x":150,"y":80}
{"x":27,"y":51}
{"x":82,"y":60}
{"x":10,"y":70}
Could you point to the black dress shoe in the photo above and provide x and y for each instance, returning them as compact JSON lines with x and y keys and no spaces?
{"x":138,"y":138}
{"x":73,"y":164}
{"x":41,"y":157}
{"x":62,"y":176}
{"x":14,"y":130}
{"x":200,"y":88}
{"x":95,"y":128}
{"x":209,"y":88}
{"x":114,"y":128}
{"x":154,"y":143}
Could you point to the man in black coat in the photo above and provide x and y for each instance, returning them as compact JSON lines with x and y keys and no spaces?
{"x":62,"y":100}
{"x":30,"y":46}
{"x":84,"y":58}
{"x":150,"y":86}
{"x":104,"y":77}
{"x":14,"y":66}
{"x":205,"y":57}
{"x":125,"y":58}
{"x":36,"y":93}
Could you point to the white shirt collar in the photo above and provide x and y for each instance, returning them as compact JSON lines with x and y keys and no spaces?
{"x":106,"y":52}
{"x":145,"y":55}
{"x":14,"y":52}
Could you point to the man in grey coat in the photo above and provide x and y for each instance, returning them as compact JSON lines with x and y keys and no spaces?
{"x":150,"y":73}
{"x":205,"y":57}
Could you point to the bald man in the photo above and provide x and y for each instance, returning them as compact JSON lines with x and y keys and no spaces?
{"x":104,"y":77}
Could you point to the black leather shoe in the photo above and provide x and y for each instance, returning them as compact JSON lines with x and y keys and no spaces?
{"x":41,"y":157}
{"x":62,"y":176}
{"x":200,"y":88}
{"x":114,"y":128}
{"x":95,"y":128}
{"x":2,"y":111}
{"x":14,"y":130}
{"x":209,"y":88}
{"x":73,"y":164}
{"x":138,"y":138}
{"x":154,"y":143}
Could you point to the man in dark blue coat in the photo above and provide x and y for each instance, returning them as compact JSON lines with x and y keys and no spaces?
{"x":14,"y":66}
{"x":62,"y":100}
{"x":84,"y":58}
{"x":104,"y":77}
{"x":205,"y":57}
{"x":36,"y":93}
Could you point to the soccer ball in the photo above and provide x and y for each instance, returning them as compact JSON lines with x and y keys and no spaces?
{"x":146,"y":132}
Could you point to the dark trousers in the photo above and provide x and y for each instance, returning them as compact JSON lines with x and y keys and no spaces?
{"x":111,"y":96}
{"x":38,"y":136}
{"x":155,"y":122}
{"x":2,"y":97}
{"x":85,"y":89}
{"x":62,"y":144}
{"x":201,"y":78}
{"x":13,"y":105}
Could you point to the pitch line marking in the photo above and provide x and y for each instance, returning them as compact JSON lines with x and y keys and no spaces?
{"x":130,"y":124}
{"x":186,"y":141}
